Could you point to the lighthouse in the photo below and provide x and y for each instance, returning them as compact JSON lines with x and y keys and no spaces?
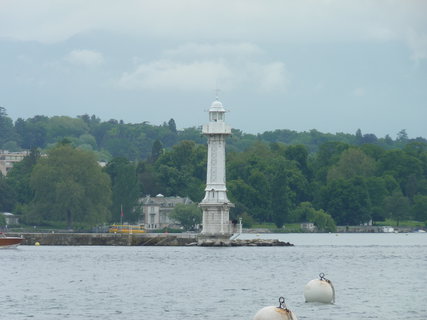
{"x":215,"y":205}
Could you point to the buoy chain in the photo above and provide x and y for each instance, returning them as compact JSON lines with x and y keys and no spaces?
{"x":322,"y":277}
{"x":282,"y":304}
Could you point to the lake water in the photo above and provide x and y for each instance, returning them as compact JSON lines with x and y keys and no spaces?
{"x":376,"y":276}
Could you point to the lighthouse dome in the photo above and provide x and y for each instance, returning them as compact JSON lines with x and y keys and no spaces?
{"x":217,"y":106}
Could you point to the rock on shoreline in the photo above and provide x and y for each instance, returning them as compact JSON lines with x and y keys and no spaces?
{"x":243,"y":243}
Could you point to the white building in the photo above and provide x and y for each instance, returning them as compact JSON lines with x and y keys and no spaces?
{"x":157,"y":210}
{"x":8,"y":159}
{"x":215,"y":205}
{"x":10,"y":218}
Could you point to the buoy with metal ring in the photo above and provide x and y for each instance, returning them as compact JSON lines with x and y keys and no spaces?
{"x":319,"y":290}
{"x":275,"y":313}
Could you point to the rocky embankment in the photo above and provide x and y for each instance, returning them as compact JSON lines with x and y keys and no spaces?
{"x":212,"y":242}
{"x":146,"y":239}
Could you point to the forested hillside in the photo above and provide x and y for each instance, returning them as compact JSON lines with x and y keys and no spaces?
{"x":280,"y":176}
{"x":135,"y":141}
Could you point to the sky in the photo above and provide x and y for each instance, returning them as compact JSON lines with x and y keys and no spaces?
{"x":330,"y":65}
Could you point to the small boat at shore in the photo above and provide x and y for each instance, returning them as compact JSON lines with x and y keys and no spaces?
{"x":9,"y":242}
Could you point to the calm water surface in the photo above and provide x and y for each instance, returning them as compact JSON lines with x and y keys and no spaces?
{"x":376,"y":276}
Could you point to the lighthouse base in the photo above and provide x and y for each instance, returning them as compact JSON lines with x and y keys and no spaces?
{"x":216,"y":220}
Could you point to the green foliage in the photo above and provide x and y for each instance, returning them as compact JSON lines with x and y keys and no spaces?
{"x":188,"y":215}
{"x":125,"y":189}
{"x":18,"y":177}
{"x":7,"y":131}
{"x":419,"y":209}
{"x":377,"y":190}
{"x":397,"y":207}
{"x":353,"y":162}
{"x":247,"y":220}
{"x":347,"y":201}
{"x":182,"y":170}
{"x":69,"y":186}
{"x":280,"y":202}
{"x":156,"y":150}
{"x":32,"y":132}
{"x":7,"y":196}
{"x":306,"y":213}
{"x":59,"y":127}
{"x":328,"y":155}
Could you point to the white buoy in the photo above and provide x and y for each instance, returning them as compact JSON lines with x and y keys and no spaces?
{"x":319,"y":290}
{"x":275,"y":313}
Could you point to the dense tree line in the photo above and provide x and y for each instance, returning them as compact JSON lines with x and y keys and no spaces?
{"x":135,"y":141}
{"x":280,"y":176}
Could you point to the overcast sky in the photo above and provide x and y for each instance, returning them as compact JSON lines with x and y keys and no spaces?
{"x":330,"y":65}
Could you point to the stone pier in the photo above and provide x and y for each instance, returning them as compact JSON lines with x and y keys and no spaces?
{"x":146,"y":239}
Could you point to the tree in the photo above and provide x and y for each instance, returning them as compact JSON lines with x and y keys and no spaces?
{"x":397,"y":207}
{"x":18,"y":177}
{"x":69,"y":186}
{"x":148,"y":181}
{"x":402,"y":136}
{"x":7,"y":132}
{"x":419,"y":208}
{"x":299,"y":154}
{"x":125,"y":189}
{"x":188,"y":215}
{"x":172,"y":126}
{"x":359,"y":136}
{"x":59,"y":127}
{"x":156,"y":150}
{"x":347,"y":201}
{"x":403,"y":167}
{"x":2,"y":220}
{"x":7,"y":195}
{"x":280,"y":196}
{"x":182,"y":170}
{"x":328,"y":155}
{"x":32,"y":132}
{"x":322,"y":220}
{"x":352,"y":163}
{"x":369,"y":138}
{"x":377,"y":191}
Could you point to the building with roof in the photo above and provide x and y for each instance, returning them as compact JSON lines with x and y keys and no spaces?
{"x":10,"y":218}
{"x":156,"y":211}
{"x":8,"y":159}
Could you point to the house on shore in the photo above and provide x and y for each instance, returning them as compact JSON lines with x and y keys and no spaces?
{"x":8,"y":159}
{"x":10,"y":218}
{"x":156,"y":211}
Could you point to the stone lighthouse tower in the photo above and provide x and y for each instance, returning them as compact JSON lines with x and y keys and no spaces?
{"x":215,"y":204}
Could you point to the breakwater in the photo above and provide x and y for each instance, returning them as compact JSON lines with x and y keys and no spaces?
{"x":105,"y":239}
{"x":145,"y":239}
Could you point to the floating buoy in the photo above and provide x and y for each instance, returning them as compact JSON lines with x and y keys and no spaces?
{"x":319,"y":290}
{"x":275,"y":313}
{"x":37,"y":243}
